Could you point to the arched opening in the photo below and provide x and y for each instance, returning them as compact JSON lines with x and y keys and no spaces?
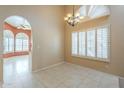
{"x":17,"y":48}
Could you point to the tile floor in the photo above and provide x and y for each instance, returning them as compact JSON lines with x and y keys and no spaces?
{"x":17,"y":74}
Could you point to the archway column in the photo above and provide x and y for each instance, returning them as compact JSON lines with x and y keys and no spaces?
{"x":14,"y":43}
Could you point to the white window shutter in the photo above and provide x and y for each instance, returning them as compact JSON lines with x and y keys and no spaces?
{"x":11,"y":44}
{"x":82,"y":44}
{"x":74,"y":43}
{"x":6,"y":45}
{"x":102,"y":43}
{"x":91,"y":43}
{"x":25,"y":45}
{"x":18,"y":44}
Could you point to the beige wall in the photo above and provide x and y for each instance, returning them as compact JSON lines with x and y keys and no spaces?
{"x":116,"y":20}
{"x":48,"y":36}
{"x":48,"y":32}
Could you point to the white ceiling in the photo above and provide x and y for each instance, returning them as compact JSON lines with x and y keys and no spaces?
{"x":19,"y":22}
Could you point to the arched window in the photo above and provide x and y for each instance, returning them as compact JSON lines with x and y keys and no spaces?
{"x":8,"y":41}
{"x":90,"y":12}
{"x":22,"y":42}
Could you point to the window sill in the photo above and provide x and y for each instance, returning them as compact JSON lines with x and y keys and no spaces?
{"x":92,"y":59}
{"x":8,"y":52}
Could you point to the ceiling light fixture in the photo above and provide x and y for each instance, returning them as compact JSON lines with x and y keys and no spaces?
{"x":73,"y":19}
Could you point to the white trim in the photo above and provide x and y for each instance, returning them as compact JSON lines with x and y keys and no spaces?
{"x":72,"y":43}
{"x":48,"y":67}
{"x":92,"y":58}
{"x":77,"y":43}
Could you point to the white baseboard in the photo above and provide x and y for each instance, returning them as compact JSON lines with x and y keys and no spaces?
{"x":51,"y":66}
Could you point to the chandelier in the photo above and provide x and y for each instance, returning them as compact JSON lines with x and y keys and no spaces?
{"x":73,"y":19}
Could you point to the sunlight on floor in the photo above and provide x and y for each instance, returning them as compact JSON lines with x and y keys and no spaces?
{"x":16,"y":65}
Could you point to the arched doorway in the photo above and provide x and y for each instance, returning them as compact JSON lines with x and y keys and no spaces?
{"x":17,"y":48}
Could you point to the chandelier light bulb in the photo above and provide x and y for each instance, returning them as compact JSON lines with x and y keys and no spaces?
{"x":77,"y":15}
{"x":65,"y":18}
{"x":69,"y":15}
{"x":71,"y":21}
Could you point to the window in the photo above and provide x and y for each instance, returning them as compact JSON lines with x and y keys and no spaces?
{"x":25,"y":45}
{"x":6,"y":44}
{"x":102,"y":43}
{"x":82,"y":42}
{"x":74,"y":43}
{"x":93,"y":11}
{"x":19,"y":44}
{"x":8,"y":41}
{"x":93,"y":43}
{"x":22,"y":42}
